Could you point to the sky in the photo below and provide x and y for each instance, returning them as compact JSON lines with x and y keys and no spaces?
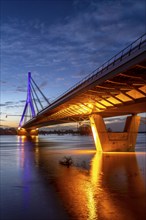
{"x":59,"y":42}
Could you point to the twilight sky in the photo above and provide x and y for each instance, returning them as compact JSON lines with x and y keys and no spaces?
{"x":60,"y":42}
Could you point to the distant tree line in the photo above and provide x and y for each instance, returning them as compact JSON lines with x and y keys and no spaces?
{"x":8,"y":131}
{"x":62,"y":132}
{"x":82,"y":130}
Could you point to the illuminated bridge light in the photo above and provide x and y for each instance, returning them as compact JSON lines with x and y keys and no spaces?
{"x":135,"y":94}
{"x":90,"y":105}
{"x":105,"y":103}
{"x":84,"y":108}
{"x":100,"y":106}
{"x":123,"y":97}
{"x":76,"y":109}
{"x":81,"y":109}
{"x":143,"y":89}
{"x":114,"y":100}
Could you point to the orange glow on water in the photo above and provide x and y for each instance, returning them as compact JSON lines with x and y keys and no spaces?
{"x":100,"y":192}
{"x":96,"y":170}
{"x":21,"y":138}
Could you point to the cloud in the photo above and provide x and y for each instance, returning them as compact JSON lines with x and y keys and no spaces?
{"x":43,"y":84}
{"x":59,"y":79}
{"x":78,"y":75}
{"x":2,"y":105}
{"x":11,"y":104}
{"x":22,"y":101}
{"x":88,"y":38}
{"x":21,"y":89}
{"x":68,"y":49}
{"x":3,"y":82}
{"x":6,"y":103}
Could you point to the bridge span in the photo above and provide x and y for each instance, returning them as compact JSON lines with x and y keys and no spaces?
{"x":116,"y":88}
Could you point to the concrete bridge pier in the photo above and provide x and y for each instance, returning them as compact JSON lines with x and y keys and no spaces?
{"x":28,"y":132}
{"x":115,"y":141}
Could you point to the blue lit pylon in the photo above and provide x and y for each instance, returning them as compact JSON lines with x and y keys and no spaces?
{"x":28,"y":101}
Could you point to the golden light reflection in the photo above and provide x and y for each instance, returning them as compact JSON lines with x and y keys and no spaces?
{"x":22,"y":156}
{"x":34,"y":138}
{"x":103,"y":191}
{"x":21,"y":139}
{"x":95,"y":172}
{"x":125,"y":153}
{"x":91,"y":204}
{"x":37,"y":151}
{"x":24,"y":138}
{"x":96,"y":168}
{"x":107,"y":168}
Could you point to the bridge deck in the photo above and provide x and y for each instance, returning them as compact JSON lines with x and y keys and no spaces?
{"x":117,"y":88}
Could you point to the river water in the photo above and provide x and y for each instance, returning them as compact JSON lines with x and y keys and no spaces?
{"x":33,"y":185}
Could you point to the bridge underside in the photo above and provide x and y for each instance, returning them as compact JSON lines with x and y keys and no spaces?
{"x":122,"y":94}
{"x":119,"y":89}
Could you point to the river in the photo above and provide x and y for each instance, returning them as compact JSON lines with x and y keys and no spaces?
{"x":33,"y":185}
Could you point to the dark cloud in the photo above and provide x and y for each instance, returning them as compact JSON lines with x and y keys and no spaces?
{"x":3,"y":82}
{"x":11,"y":104}
{"x":21,"y":89}
{"x":2,"y":105}
{"x":43,"y":84}
{"x":22,"y":101}
{"x":102,"y":29}
{"x":6,"y":103}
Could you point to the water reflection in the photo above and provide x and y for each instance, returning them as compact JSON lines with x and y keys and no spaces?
{"x":98,"y":186}
{"x":111,"y":187}
{"x":120,"y":186}
{"x":24,"y":193}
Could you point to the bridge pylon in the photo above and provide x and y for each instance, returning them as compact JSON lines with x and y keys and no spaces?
{"x":28,"y":105}
{"x":115,"y":141}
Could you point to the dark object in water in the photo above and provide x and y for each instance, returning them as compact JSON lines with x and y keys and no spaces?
{"x":66,"y":161}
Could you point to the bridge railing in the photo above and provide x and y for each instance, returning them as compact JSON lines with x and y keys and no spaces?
{"x":123,"y":54}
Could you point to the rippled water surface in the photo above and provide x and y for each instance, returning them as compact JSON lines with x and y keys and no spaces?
{"x":108,"y":186}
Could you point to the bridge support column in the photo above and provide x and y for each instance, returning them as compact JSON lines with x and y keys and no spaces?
{"x":24,"y":132}
{"x":115,"y":141}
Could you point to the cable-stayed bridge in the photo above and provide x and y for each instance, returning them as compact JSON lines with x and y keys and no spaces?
{"x":116,"y":88}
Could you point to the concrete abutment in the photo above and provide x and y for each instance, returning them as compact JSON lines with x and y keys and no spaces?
{"x":115,"y":141}
{"x":24,"y":132}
